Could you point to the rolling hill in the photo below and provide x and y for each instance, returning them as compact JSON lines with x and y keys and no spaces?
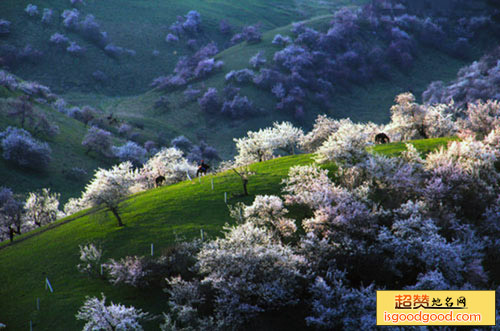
{"x":160,"y":216}
{"x":138,"y":25}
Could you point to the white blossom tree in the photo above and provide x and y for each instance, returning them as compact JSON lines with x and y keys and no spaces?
{"x":347,"y":146}
{"x":90,"y":255}
{"x":260,"y":145}
{"x":109,"y":187}
{"x":42,"y":208}
{"x":169,"y":163}
{"x":99,"y":316}
{"x":323,"y":128}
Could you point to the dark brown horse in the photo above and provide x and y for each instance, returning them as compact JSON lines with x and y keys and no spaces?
{"x":159,"y":180}
{"x":382,"y":138}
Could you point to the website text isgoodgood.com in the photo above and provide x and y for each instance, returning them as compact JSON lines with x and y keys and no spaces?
{"x":423,"y":317}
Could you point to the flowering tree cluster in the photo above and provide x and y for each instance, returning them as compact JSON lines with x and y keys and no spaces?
{"x":97,"y":140}
{"x":41,"y":208}
{"x":91,"y":256}
{"x":11,"y":214}
{"x":441,"y":211}
{"x":20,"y":148}
{"x":169,"y":163}
{"x":261,"y":145}
{"x":4,"y":27}
{"x":109,"y":187}
{"x":130,"y":152}
{"x":314,"y":65}
{"x":28,"y":116}
{"x":476,"y":81}
{"x":250,"y":34}
{"x":410,"y":120}
{"x":199,"y":65}
{"x":98,"y":316}
{"x":348,"y":144}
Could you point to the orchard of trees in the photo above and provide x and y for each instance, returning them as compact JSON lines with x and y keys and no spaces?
{"x":441,"y":209}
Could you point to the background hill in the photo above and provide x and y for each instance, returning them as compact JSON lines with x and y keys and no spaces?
{"x":137,"y":25}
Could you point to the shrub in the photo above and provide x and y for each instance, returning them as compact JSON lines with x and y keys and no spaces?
{"x":70,"y":18}
{"x":238,"y":107}
{"x":258,"y":60}
{"x":209,"y":102}
{"x":20,"y":148}
{"x":59,"y":39}
{"x":91,"y":256}
{"x":224,"y":27}
{"x":130,"y":152}
{"x":97,"y":140}
{"x":75,"y":49}
{"x":240,"y":76}
{"x":205,"y":67}
{"x":47,"y":15}
{"x":281,"y":40}
{"x":76,"y":174}
{"x":4,"y":27}
{"x":192,"y":22}
{"x":31,"y":10}
{"x":90,"y":29}
{"x":191,"y":93}
{"x":182,"y":143}
{"x":252,"y":33}
{"x":99,"y":76}
{"x":171,"y":38}
{"x":113,"y":51}
{"x":162,"y":102}
{"x":129,"y":270}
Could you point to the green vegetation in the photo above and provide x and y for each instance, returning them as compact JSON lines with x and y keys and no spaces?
{"x":67,"y":152}
{"x":141,"y":26}
{"x":159,"y":216}
{"x":368,"y":103}
{"x":424,"y":146}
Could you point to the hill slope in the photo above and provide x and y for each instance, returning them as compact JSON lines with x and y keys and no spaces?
{"x":370,"y":102}
{"x":138,"y":25}
{"x":67,"y":153}
{"x":157,"y":216}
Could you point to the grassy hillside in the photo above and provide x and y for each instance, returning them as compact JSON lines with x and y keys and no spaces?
{"x":158,"y":216}
{"x":368,"y":103}
{"x":67,"y":152}
{"x":141,"y":26}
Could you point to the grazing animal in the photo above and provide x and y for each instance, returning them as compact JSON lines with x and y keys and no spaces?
{"x":382,"y":138}
{"x":202,"y":168}
{"x":159,"y":181}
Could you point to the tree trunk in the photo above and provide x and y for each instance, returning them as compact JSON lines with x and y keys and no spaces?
{"x":115,"y":212}
{"x":11,"y":234}
{"x":245,"y":182}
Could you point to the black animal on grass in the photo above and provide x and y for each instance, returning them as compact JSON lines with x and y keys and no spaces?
{"x":202,"y":169}
{"x":159,"y":180}
{"x":382,"y":138}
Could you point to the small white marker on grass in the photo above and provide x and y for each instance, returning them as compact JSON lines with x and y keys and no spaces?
{"x":47,"y":285}
{"x":225,"y":198}
{"x":212,"y":184}
{"x":202,"y":235}
{"x":152,"y":250}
